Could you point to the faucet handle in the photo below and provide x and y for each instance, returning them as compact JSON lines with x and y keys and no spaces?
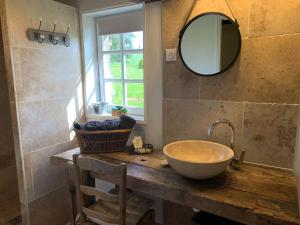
{"x":242,"y":156}
{"x":236,"y":161}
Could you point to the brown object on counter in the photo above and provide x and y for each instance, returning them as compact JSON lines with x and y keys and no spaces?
{"x":117,"y":113}
{"x":102,"y":140}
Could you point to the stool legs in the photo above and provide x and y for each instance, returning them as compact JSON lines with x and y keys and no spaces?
{"x":72,"y":193}
{"x":148,"y":218}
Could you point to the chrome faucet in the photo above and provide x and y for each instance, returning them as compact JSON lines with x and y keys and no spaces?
{"x":236,"y":160}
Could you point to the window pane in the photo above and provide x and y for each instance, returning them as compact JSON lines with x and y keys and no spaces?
{"x":135,"y":95}
{"x":133,"y":40}
{"x":111,"y":42}
{"x":112,"y":66}
{"x":134,"y":67}
{"x":114,"y":93}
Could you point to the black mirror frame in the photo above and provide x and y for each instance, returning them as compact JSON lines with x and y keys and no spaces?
{"x":190,"y":22}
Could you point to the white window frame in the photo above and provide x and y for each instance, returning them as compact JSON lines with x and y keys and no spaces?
{"x":134,"y":111}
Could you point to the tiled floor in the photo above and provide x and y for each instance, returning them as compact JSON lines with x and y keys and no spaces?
{"x":10,"y":212}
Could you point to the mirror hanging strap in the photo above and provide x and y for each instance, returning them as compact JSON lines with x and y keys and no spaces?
{"x":235,"y":20}
{"x":192,"y":8}
{"x":188,"y":16}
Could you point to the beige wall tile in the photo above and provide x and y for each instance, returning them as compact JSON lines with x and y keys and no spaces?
{"x":14,"y":75}
{"x":27,"y":178}
{"x":18,"y":76}
{"x":25,"y":214}
{"x":46,"y":123}
{"x":46,"y":176}
{"x":3,"y":19}
{"x":46,"y":96}
{"x":178,"y":82}
{"x":190,"y":119}
{"x":21,"y":163}
{"x":21,"y":187}
{"x":10,"y":73}
{"x":268,"y":17}
{"x":268,"y":70}
{"x":174,"y":15}
{"x":24,"y":14}
{"x":47,"y":74}
{"x":240,"y":10}
{"x":51,"y":209}
{"x":15,"y":127}
{"x":269,"y":133}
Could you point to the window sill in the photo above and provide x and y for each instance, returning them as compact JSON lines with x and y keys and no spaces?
{"x":101,"y":117}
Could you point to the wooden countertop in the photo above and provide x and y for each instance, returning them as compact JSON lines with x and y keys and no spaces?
{"x":254,"y":195}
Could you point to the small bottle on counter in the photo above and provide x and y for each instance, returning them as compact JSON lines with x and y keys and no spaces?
{"x":140,"y":147}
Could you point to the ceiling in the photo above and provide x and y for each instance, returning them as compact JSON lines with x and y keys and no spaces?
{"x":77,"y":3}
{"x":73,"y":3}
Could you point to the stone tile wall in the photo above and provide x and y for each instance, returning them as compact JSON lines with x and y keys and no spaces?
{"x":45,"y":90}
{"x":8,"y":172}
{"x":259,"y":93}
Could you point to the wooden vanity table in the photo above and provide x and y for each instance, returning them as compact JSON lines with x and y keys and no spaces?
{"x":254,"y":195}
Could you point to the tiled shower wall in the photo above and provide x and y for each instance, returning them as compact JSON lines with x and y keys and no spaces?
{"x":8,"y":171}
{"x":259,"y":93}
{"x":45,"y":90}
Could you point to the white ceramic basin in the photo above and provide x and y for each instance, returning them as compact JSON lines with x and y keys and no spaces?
{"x":198,"y":159}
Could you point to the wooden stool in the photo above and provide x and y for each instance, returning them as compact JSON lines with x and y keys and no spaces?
{"x":106,"y":208}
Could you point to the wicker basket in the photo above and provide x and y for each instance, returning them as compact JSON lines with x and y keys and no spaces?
{"x":102,"y":141}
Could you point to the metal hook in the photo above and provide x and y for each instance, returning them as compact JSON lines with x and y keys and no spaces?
{"x":66,"y":37}
{"x":53,"y":39}
{"x":40,"y":37}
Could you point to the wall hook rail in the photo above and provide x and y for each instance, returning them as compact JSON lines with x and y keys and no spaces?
{"x":54,"y":39}
{"x":66,"y":38}
{"x":40,"y":37}
{"x":194,"y":5}
{"x":235,"y":19}
{"x":50,"y":37}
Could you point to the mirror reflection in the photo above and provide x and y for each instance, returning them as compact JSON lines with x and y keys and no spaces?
{"x":209,"y":44}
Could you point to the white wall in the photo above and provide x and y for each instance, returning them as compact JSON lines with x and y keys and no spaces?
{"x":154,"y":81}
{"x":153,"y":73}
{"x":151,"y":130}
{"x":94,"y":5}
{"x":90,"y":58}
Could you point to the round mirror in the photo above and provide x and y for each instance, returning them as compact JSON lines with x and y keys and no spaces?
{"x":209,"y":44}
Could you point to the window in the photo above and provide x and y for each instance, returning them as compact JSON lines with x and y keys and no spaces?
{"x":120,"y":21}
{"x":113,"y":45}
{"x":122,"y":70}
